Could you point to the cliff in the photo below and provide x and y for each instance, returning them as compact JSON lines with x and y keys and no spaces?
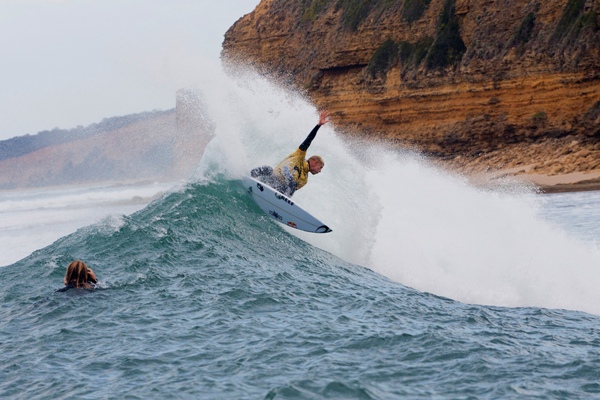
{"x":510,"y":85}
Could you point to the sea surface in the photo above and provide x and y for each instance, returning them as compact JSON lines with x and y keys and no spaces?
{"x":34,"y":218}
{"x":427,"y":288}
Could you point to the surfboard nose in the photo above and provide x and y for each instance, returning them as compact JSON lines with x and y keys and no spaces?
{"x":323,"y":229}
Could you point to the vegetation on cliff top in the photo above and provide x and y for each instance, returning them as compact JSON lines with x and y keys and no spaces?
{"x":412,"y":54}
{"x":574,"y":21}
{"x":383,"y":58}
{"x":356,"y":11}
{"x":446,"y":49}
{"x":312,"y":8}
{"x":523,"y":34}
{"x":413,"y":10}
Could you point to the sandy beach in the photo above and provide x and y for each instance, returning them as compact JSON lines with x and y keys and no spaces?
{"x":574,"y":182}
{"x":545,"y":183}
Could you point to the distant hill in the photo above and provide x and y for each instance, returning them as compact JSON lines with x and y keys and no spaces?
{"x":154,"y":145}
{"x":21,"y":145}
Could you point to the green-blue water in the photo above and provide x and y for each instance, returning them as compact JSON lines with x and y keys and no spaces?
{"x":203,"y":297}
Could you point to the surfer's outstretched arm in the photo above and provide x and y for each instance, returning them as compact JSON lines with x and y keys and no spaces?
{"x":323,"y":119}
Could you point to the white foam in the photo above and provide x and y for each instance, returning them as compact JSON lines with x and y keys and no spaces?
{"x":32,"y":219}
{"x":402,"y":217}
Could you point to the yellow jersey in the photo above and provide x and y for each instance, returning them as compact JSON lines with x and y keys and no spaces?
{"x":293,"y":170}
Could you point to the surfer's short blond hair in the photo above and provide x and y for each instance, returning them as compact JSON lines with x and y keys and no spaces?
{"x":317,"y":159}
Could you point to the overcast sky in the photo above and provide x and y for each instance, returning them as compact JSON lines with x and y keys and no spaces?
{"x":65,"y":63}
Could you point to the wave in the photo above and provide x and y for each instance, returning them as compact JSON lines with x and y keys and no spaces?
{"x":401,"y":216}
{"x":392,"y":212}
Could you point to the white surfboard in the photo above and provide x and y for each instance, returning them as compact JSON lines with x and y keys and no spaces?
{"x":282,"y":208}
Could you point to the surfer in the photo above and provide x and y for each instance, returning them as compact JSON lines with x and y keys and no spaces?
{"x":79,"y":276}
{"x":291,"y":173}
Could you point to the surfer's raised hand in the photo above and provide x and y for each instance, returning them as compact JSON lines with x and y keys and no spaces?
{"x":323,"y":117}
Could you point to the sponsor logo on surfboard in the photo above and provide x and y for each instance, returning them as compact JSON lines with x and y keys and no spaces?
{"x":275,"y":215}
{"x":282,"y":197}
{"x":283,"y":211}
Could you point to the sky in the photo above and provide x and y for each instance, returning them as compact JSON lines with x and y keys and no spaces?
{"x":65,"y":63}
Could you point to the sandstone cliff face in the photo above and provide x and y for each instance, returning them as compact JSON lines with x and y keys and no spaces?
{"x":478,"y":83}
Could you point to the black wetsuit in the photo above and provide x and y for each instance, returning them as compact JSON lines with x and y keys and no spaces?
{"x":72,"y":286}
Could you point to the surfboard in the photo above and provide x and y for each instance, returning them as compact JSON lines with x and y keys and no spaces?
{"x":281,"y":208}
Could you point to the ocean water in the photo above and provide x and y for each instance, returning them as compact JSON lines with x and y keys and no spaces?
{"x":34,"y":218}
{"x":426,"y":288}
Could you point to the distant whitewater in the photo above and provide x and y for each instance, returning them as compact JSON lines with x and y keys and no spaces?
{"x":426,"y":288}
